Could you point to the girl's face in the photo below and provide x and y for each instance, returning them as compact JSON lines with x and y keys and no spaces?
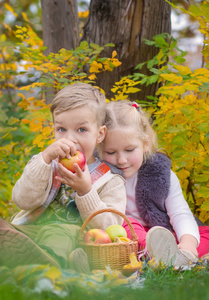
{"x":79,"y":125}
{"x":122,"y":148}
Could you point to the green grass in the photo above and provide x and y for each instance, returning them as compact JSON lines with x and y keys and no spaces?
{"x":156,"y":285}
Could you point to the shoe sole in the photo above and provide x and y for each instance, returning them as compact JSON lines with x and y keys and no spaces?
{"x":18,"y":249}
{"x":78,"y":261}
{"x":161,"y":244}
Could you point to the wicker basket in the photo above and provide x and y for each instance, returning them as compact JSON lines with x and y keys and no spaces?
{"x":115,"y":255}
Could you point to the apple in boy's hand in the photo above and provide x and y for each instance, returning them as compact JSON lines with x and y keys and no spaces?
{"x":78,"y":158}
{"x":116,"y":231}
{"x":97,"y":236}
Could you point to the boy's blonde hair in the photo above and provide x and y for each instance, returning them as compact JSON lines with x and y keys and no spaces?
{"x":80,"y":95}
{"x":125,"y":114}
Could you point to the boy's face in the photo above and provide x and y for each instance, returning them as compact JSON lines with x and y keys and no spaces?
{"x":80,"y":126}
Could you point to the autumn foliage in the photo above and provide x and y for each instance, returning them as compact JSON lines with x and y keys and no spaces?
{"x":179,"y":109}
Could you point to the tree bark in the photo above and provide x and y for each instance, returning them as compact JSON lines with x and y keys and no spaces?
{"x":126,"y":23}
{"x":60,"y":28}
{"x":60,"y":24}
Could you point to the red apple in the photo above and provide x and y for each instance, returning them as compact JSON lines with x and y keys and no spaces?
{"x":78,"y":158}
{"x":97,"y":236}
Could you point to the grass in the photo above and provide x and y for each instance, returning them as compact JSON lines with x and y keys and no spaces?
{"x":156,"y":285}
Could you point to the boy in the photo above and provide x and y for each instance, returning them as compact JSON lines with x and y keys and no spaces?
{"x":55,"y":201}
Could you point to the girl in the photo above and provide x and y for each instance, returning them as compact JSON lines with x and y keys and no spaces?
{"x":154,"y":196}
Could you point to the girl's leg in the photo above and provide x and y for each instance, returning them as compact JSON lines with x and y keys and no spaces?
{"x":203,"y":247}
{"x":140,"y":231}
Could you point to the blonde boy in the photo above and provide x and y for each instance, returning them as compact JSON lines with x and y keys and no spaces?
{"x":54,"y":201}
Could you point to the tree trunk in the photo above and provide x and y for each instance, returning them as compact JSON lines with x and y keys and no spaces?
{"x":60,"y":27}
{"x":126,"y":23}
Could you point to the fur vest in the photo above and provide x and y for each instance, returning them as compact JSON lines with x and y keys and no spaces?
{"x":153,"y":183}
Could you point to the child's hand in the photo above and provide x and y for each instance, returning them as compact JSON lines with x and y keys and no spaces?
{"x":189,"y":243}
{"x":60,"y":148}
{"x":80,"y":181}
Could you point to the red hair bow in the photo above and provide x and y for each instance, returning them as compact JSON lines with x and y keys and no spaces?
{"x":135,"y":105}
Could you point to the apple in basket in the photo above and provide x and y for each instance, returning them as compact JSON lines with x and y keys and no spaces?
{"x":96,"y":236}
{"x":116,"y":231}
{"x":78,"y":158}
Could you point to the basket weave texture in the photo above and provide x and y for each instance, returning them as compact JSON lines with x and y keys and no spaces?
{"x":114,"y":255}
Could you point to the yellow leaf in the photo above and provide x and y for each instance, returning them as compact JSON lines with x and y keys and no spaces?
{"x":24,"y":104}
{"x":201,"y":71}
{"x":206,"y":107}
{"x":191,"y":87}
{"x":172,"y":77}
{"x":30,"y":98}
{"x":83,"y":14}
{"x":35,"y":127}
{"x":183,"y":174}
{"x":13,"y":120}
{"x":21,"y":95}
{"x":3,"y":37}
{"x":7,"y":26}
{"x":92,"y":76}
{"x":184,"y":70}
{"x":178,"y":90}
{"x":9,"y":8}
{"x":38,"y":141}
{"x":26,"y":88}
{"x":25,"y":121}
{"x":114,"y":53}
{"x":53,"y":273}
{"x":95,"y":67}
{"x":47,"y":131}
{"x":132,"y":90}
{"x":116,"y":62}
{"x":25,"y":17}
{"x":2,"y":137}
{"x":160,"y":55}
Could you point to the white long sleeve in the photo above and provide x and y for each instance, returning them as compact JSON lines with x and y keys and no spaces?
{"x":181,"y":217}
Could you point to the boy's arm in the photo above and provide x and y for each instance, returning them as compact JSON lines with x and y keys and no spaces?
{"x":33,"y":187}
{"x":111,"y":195}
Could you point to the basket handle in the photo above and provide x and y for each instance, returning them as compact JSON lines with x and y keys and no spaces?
{"x":133,"y":233}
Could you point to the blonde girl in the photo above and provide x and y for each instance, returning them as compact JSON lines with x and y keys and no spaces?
{"x":155,"y":202}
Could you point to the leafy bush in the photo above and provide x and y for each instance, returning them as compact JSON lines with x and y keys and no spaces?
{"x":179,"y":108}
{"x":181,"y":112}
{"x":25,"y":122}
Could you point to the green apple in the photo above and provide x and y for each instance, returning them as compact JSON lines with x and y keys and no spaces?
{"x":116,"y":231}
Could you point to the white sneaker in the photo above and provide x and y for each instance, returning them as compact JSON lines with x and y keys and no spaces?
{"x":161,"y":244}
{"x":78,"y":261}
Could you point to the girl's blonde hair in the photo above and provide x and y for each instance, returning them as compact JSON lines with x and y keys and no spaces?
{"x":80,"y":95}
{"x":124,"y":113}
